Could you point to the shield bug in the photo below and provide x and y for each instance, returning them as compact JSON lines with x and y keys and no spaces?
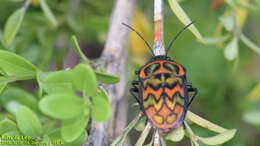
{"x":162,"y":90}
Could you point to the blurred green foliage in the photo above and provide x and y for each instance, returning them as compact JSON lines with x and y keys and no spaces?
{"x":223,"y":85}
{"x":45,"y":105}
{"x":44,"y":38}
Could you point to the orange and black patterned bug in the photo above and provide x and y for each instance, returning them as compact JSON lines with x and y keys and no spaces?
{"x":163,"y":92}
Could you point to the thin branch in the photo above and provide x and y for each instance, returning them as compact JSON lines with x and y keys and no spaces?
{"x":115,"y":55}
{"x":121,"y":139}
{"x":157,"y":138}
{"x":144,"y":134}
{"x":159,"y":48}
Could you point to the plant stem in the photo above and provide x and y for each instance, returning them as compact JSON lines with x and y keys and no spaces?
{"x":115,"y":54}
{"x":78,"y":49}
{"x":26,"y":4}
{"x":158,"y":46}
{"x":157,"y":138}
{"x":121,"y":139}
{"x":191,"y":134}
{"x":144,"y":134}
{"x":131,"y":126}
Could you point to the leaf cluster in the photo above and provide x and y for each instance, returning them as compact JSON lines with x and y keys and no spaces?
{"x":65,"y":101}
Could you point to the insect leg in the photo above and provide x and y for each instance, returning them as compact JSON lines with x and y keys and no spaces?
{"x":134,"y":83}
{"x":190,"y":89}
{"x":189,"y":85}
{"x":135,"y":90}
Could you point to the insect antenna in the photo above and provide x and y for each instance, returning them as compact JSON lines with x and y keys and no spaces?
{"x":147,"y":44}
{"x":178,"y":36}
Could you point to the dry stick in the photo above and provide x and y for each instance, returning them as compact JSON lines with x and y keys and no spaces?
{"x":115,"y":54}
{"x":157,"y":138}
{"x":158,"y":46}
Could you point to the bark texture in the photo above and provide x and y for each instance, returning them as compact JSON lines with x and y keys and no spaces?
{"x":115,"y":56}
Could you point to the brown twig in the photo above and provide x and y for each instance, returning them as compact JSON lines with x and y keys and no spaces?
{"x":115,"y":54}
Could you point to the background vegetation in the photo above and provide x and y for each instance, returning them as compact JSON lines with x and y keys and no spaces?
{"x":229,"y":89}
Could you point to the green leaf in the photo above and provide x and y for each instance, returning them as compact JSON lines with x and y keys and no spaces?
{"x":17,"y":66}
{"x":250,"y":44}
{"x":216,"y":40}
{"x":219,"y":139}
{"x":48,"y":13}
{"x":194,"y":142}
{"x":80,"y":140}
{"x":176,"y":135}
{"x":12,"y":134}
{"x":228,"y":22}
{"x":2,"y":86}
{"x":144,"y":135}
{"x":107,"y":78}
{"x":13,"y":24}
{"x":204,"y":123}
{"x":104,"y":94}
{"x":101,"y":110}
{"x":55,"y":135}
{"x":231,"y":50}
{"x":72,"y":129}
{"x":62,"y":106}
{"x":252,"y":117}
{"x":40,"y":77}
{"x":141,"y":124}
{"x":6,"y":126}
{"x":255,"y":93}
{"x":84,"y":79}
{"x":28,"y":122}
{"x":6,"y":79}
{"x":78,"y":50}
{"x":2,"y":72}
{"x":58,"y":82}
{"x":12,"y":98}
{"x":183,"y":17}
